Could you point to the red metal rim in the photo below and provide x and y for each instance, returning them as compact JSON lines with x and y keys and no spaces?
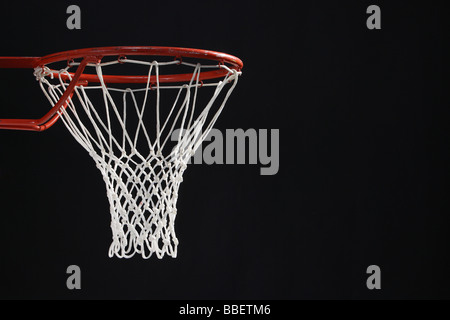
{"x":177,"y":53}
{"x":94,"y":55}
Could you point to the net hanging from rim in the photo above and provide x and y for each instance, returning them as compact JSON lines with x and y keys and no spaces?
{"x":141,"y":137}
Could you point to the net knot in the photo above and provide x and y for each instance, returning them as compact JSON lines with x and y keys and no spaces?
{"x":42,"y":72}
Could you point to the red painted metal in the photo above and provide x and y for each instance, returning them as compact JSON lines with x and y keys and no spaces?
{"x":18,"y":62}
{"x":94,"y":55}
{"x":52,"y":116}
{"x":144,"y":51}
{"x":185,"y":77}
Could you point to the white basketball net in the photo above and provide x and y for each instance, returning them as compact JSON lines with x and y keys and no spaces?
{"x":128,"y":136}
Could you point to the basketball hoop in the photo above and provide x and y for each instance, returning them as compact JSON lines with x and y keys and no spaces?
{"x":129,"y":135}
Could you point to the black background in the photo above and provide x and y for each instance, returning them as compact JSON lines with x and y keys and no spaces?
{"x":363,"y":177}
